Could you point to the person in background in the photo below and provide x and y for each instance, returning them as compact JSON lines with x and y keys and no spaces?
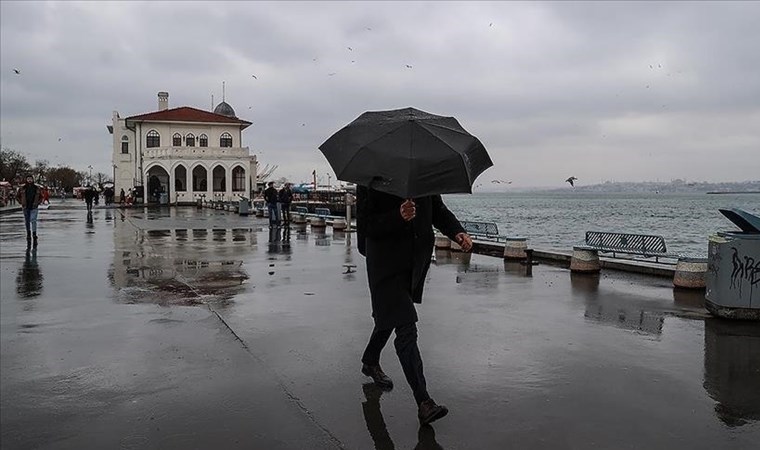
{"x":122,"y":197}
{"x":271,"y":198}
{"x":89,"y":195}
{"x":285,"y":198}
{"x":396,"y":236}
{"x":29,"y":197}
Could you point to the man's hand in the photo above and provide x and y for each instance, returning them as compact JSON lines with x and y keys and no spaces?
{"x":465,"y":241}
{"x":408,"y":210}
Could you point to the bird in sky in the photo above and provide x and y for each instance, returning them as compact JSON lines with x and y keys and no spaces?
{"x":254,"y":76}
{"x":350,"y":49}
{"x":331,"y":74}
{"x":369,"y":29}
{"x":490,"y":24}
{"x":571,"y":180}
{"x":59,"y":139}
{"x":17,"y":72}
{"x":408,"y":66}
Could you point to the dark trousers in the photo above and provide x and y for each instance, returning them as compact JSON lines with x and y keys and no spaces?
{"x":408,"y":354}
{"x":285,"y":212}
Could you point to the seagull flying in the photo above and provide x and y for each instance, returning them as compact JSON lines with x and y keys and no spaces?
{"x":254,"y":76}
{"x":331,"y":74}
{"x":350,"y":49}
{"x":408,"y":66}
{"x":571,"y":181}
{"x":17,"y":72}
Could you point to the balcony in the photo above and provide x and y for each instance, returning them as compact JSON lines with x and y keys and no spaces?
{"x":196,"y":153}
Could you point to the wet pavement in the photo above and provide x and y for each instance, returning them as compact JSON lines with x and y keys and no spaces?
{"x":179,"y":328}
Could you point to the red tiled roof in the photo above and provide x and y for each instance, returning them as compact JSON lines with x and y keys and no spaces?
{"x":186,"y":114}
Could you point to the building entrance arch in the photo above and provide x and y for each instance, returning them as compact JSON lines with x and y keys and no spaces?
{"x":158,"y":185}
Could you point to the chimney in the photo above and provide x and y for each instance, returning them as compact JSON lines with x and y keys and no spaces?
{"x":163,"y":101}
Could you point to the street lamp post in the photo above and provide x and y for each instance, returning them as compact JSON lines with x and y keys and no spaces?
{"x":89,"y":181}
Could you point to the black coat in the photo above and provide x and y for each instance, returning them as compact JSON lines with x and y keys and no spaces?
{"x":398,"y":252}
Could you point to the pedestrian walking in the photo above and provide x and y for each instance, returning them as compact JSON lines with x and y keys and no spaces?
{"x":285,"y":198}
{"x":122,"y":197}
{"x":271,"y":198}
{"x":89,"y":196}
{"x":29,"y":196}
{"x":396,"y":236}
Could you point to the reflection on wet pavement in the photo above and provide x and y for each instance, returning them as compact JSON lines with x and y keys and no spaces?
{"x":378,"y":431}
{"x":29,"y":278}
{"x":732,"y":370}
{"x":178,"y":266}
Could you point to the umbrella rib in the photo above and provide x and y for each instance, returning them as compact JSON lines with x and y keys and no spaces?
{"x":463,"y":132}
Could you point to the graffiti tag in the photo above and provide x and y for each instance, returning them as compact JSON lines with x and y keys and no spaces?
{"x":745,"y":268}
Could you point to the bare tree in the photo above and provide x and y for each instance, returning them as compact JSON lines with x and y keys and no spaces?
{"x":13,"y":165}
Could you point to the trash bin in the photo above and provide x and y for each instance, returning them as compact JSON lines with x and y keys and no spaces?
{"x":733,"y":268}
{"x":163,"y":198}
{"x":243,"y":206}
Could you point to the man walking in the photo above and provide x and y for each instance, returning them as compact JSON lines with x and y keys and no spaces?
{"x":270,"y":197}
{"x":89,"y":196}
{"x":29,"y":197}
{"x":396,"y":236}
{"x":285,"y":198}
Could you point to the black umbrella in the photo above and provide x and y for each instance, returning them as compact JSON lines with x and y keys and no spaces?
{"x":407,"y":152}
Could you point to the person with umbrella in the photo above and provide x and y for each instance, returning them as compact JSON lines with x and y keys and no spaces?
{"x":402,"y":161}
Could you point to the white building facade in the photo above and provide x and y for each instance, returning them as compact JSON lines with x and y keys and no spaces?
{"x":180,"y":155}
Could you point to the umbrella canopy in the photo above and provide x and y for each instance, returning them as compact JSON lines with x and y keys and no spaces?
{"x":407,"y":152}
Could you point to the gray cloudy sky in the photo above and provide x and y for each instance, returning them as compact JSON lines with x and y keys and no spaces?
{"x":603,"y":91}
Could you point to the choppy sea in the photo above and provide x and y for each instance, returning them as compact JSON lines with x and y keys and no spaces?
{"x":557,"y":221}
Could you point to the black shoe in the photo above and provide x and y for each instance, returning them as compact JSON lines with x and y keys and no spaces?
{"x":429,"y":411}
{"x":378,"y":376}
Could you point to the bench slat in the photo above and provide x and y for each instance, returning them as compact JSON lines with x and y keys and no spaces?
{"x":639,"y":244}
{"x":483,"y":230}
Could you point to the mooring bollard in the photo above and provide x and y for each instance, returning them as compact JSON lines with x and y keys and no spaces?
{"x":442,"y":241}
{"x":690,"y":273}
{"x":339,"y":224}
{"x":585,"y":260}
{"x":318,"y":222}
{"x":515,"y":248}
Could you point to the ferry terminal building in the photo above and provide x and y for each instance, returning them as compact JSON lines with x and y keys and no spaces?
{"x":183,"y":154}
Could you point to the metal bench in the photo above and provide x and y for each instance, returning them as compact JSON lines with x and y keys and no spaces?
{"x":649,"y":246}
{"x":488,"y":231}
{"x":301,"y":210}
{"x":322,"y":212}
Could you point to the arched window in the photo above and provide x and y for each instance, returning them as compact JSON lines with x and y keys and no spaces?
{"x":124,"y":144}
{"x":225,"y":140}
{"x":153,"y":139}
{"x":203,"y":140}
{"x":190,"y":140}
{"x":238,"y":179}
{"x":177,"y":140}
{"x":180,"y":179}
{"x":219,"y":181}
{"x":200,"y":174}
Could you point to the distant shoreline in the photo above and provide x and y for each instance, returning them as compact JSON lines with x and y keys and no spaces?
{"x":733,"y":192}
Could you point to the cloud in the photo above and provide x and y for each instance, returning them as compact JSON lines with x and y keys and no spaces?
{"x":634,"y":91}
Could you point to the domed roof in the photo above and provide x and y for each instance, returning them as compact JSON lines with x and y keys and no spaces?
{"x":224,"y":109}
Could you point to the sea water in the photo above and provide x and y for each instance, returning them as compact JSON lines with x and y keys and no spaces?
{"x":557,"y":221}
